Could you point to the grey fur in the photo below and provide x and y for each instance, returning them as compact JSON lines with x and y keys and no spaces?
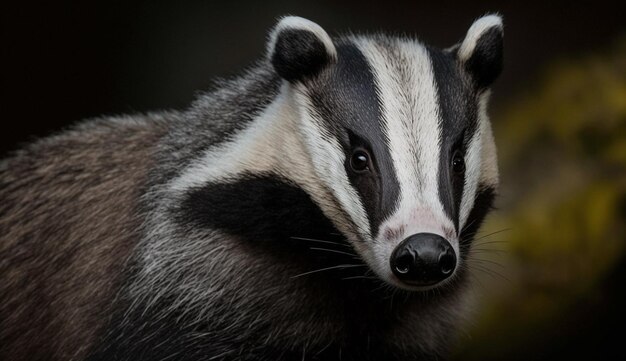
{"x":69,"y":219}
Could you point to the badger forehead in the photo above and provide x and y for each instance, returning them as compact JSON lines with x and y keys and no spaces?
{"x":409,"y":103}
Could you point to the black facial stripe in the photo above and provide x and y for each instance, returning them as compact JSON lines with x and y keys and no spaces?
{"x":345,"y":95}
{"x":458,"y":109}
{"x":258,"y":207}
{"x":482,"y":205}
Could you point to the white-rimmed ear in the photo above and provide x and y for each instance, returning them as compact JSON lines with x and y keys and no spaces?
{"x":482,"y":49}
{"x":299,"y":48}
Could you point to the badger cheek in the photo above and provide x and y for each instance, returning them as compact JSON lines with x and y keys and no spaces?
{"x":373,"y":255}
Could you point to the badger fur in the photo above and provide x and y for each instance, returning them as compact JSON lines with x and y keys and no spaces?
{"x":262,"y":223}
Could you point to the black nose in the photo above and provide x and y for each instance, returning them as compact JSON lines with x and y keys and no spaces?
{"x":423,"y":259}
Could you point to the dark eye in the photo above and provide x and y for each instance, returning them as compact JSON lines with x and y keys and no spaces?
{"x":458,"y":163}
{"x":359,"y":161}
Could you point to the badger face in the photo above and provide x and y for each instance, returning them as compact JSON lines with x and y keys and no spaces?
{"x":398,"y":133}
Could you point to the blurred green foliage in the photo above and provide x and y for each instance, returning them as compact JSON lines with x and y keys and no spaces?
{"x":561,"y":221}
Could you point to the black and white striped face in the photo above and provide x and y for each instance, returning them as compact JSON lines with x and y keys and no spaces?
{"x":398,"y":132}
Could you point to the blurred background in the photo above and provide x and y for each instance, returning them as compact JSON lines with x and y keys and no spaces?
{"x":550,"y":264}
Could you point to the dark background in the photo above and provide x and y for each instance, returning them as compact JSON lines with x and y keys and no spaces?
{"x":63,"y":62}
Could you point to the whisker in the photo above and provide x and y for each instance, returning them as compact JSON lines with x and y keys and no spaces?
{"x":382,"y":286}
{"x":490,"y":272}
{"x":341,"y":266}
{"x":487,"y":250}
{"x":493,"y":233}
{"x":484,"y":243}
{"x":333,"y":251}
{"x":359,"y":277}
{"x":482,"y":269}
{"x":474,"y":241}
{"x":320,"y":241}
{"x":467,"y":226}
{"x":477,"y":280}
{"x":486,"y":261}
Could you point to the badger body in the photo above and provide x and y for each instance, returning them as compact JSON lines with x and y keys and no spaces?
{"x":266,"y":222}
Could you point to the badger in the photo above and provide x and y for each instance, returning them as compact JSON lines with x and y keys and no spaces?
{"x":320,"y":206}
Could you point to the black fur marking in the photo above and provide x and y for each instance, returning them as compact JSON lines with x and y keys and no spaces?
{"x":482,"y":205}
{"x":259,"y":208}
{"x":269,"y":214}
{"x":346,"y":97}
{"x":458,"y":108}
{"x":298,"y":54}
{"x":485,"y":63}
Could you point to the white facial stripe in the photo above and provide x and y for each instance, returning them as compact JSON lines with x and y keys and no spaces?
{"x":251,"y":150}
{"x":472,"y":174}
{"x":270,"y":143}
{"x":409,"y":103}
{"x":489,"y":174}
{"x":328,"y":159}
{"x":481,"y":161}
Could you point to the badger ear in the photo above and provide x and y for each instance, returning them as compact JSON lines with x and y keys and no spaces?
{"x":481,"y":50}
{"x":299,"y":48}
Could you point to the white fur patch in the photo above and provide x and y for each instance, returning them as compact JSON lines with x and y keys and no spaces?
{"x":489,"y":173}
{"x":478,"y":28}
{"x":481,"y":161}
{"x":472,"y":174}
{"x":328,"y":160}
{"x":251,"y":150}
{"x":296,"y":22}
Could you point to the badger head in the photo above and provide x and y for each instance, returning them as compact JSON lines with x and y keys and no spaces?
{"x":398,"y":133}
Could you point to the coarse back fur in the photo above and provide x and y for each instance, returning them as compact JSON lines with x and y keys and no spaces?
{"x":69,"y":218}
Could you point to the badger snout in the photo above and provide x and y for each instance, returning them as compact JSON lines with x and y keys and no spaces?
{"x":423,"y":259}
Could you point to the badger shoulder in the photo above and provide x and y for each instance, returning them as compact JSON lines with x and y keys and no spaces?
{"x":69,"y":217}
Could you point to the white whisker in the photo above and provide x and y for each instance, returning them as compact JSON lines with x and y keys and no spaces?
{"x":333,"y":251}
{"x":341,"y":266}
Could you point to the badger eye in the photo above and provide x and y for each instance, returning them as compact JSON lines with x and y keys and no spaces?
{"x":458,"y":163}
{"x":359,"y":161}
